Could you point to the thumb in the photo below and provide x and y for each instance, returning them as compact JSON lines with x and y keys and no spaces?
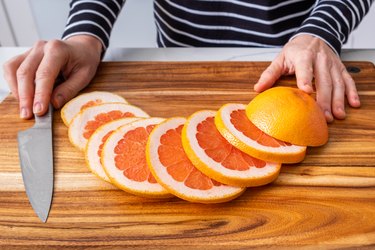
{"x":271,"y":74}
{"x":70,"y":88}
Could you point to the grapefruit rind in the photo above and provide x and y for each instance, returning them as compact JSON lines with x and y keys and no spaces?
{"x":217,"y":194}
{"x":282,"y":154}
{"x":91,"y":152}
{"x":116,"y":176}
{"x":77,"y":126}
{"x":74,"y":106}
{"x":289,"y":114}
{"x":249,"y":178}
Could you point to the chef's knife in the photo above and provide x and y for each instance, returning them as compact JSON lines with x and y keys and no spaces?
{"x":35,"y":151}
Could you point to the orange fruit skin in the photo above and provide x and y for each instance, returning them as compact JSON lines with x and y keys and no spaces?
{"x":289,"y":114}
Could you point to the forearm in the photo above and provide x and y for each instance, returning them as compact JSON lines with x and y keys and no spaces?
{"x":94,"y":18}
{"x":333,"y":21}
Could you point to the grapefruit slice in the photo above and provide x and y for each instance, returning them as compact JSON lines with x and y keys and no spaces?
{"x":210,"y":152}
{"x":238,"y":130}
{"x":96,"y":142}
{"x":174,"y":171}
{"x":86,"y":100}
{"x":124,"y":159}
{"x":89,"y":119}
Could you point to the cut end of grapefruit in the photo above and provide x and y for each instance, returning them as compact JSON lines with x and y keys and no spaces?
{"x":172,"y":168}
{"x":124,"y":160}
{"x":213,"y":155}
{"x":290,"y":115}
{"x":238,"y":130}
{"x":89,"y":119}
{"x":74,"y":106}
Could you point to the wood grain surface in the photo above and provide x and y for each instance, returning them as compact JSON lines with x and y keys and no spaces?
{"x":327,"y":201}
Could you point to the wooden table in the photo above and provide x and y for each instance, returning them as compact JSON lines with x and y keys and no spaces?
{"x":327,"y":201}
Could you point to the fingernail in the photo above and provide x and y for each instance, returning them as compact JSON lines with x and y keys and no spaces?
{"x":328,"y":115}
{"x":256,"y":86}
{"x":356,"y":99}
{"x":23,"y":113}
{"x":59,"y":100}
{"x":37,"y":108}
{"x":309,"y":88}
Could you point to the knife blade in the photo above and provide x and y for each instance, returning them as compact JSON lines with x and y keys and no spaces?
{"x":35,"y":149}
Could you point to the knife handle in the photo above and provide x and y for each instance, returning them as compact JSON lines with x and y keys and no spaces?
{"x":44,"y":121}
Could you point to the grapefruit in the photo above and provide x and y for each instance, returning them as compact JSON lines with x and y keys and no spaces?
{"x":237,"y":129}
{"x":89,"y":119}
{"x":290,"y":115}
{"x":86,"y":100}
{"x":124,"y":159}
{"x":172,"y":168}
{"x":213,"y":155}
{"x":96,"y":142}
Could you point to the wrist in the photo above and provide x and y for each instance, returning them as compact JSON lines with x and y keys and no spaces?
{"x":326,"y":39}
{"x":306,"y":37}
{"x":87,"y":40}
{"x":312,"y":41}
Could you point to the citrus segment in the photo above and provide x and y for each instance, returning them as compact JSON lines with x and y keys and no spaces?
{"x":124,"y":159}
{"x":233,"y":124}
{"x":289,"y":114}
{"x":173,"y":169}
{"x":96,"y":142}
{"x":86,"y":100}
{"x":210,"y":152}
{"x":88,"y":120}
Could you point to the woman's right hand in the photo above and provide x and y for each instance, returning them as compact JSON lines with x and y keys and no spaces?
{"x":31,"y":76}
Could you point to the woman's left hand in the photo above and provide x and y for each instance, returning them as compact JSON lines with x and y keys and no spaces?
{"x":307,"y":56}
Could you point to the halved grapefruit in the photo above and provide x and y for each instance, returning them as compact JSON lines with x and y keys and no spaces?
{"x":289,"y":114}
{"x":233,"y":125}
{"x":96,"y":142}
{"x":89,"y":119}
{"x":124,"y":159}
{"x":173,"y":169}
{"x":86,"y":100}
{"x":210,"y":152}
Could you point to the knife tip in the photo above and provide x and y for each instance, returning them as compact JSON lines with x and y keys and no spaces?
{"x":43,"y":217}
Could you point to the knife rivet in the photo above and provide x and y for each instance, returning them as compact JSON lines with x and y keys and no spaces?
{"x":352,"y":69}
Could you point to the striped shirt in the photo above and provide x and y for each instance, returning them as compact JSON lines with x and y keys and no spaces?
{"x":227,"y":23}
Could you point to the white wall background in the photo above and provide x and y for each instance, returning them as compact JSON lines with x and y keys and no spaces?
{"x":134,"y":27}
{"x":45,"y":19}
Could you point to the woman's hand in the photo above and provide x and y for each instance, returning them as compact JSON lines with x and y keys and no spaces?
{"x":307,"y":57}
{"x":31,"y":76}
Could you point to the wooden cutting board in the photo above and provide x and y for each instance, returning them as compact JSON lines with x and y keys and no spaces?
{"x":328,"y":200}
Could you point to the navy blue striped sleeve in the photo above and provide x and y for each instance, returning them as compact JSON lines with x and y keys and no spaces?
{"x":333,"y":21}
{"x":92,"y":17}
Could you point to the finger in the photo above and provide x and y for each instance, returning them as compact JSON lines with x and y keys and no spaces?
{"x":338,"y":93}
{"x":25,"y":79}
{"x":10,"y":72}
{"x":54,"y":59}
{"x":70,"y":88}
{"x":271,"y":74}
{"x":351,"y":90}
{"x":323,"y":83}
{"x":304,"y":73}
